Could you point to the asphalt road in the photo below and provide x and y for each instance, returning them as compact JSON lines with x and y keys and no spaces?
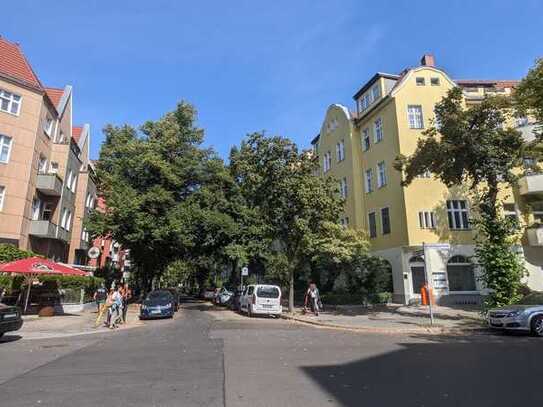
{"x":218,"y":358}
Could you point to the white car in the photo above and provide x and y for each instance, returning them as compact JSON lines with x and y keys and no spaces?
{"x":261,"y":299}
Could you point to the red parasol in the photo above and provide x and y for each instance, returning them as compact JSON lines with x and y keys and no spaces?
{"x":32,"y":267}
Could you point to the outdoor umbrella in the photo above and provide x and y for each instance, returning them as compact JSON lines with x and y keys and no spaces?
{"x":32,"y":267}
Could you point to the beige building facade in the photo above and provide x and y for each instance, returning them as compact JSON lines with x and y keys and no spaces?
{"x":44,"y":163}
{"x":422,"y":230}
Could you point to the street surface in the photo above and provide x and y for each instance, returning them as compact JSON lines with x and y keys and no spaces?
{"x":213,"y":357}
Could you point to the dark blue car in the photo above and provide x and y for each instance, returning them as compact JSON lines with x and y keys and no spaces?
{"x":158,"y":304}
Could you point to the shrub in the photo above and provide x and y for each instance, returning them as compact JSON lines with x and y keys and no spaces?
{"x":10,"y":253}
{"x":534,"y":298}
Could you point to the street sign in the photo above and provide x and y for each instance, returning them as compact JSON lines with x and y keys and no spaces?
{"x":244,"y":271}
{"x":93,"y":252}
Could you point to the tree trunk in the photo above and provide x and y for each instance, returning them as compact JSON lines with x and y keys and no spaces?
{"x":291,"y":291}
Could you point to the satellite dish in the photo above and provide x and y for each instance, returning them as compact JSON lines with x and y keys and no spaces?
{"x":93,"y":252}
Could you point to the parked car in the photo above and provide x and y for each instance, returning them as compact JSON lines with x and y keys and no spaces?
{"x":10,"y":319}
{"x":234,"y":301}
{"x":223,"y":296}
{"x":175,"y":295}
{"x":157,"y":304}
{"x":208,"y":294}
{"x":527,"y":318}
{"x":261,"y":299}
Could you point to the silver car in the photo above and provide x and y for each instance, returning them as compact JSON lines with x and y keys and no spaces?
{"x":527,"y":318}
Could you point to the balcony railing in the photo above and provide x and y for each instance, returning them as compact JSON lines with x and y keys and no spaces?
{"x":49,"y":184}
{"x":48,"y":230}
{"x":535,"y":235}
{"x":531,"y":184}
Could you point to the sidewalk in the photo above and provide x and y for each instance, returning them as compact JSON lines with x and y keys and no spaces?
{"x":83,"y":323}
{"x":395,"y":319}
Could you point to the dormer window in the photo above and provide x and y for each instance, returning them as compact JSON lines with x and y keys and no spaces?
{"x":434,"y":81}
{"x":376,"y":92}
{"x":420,"y":81}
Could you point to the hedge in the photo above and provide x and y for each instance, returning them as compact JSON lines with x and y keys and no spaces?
{"x":355,"y":299}
{"x":10,"y":253}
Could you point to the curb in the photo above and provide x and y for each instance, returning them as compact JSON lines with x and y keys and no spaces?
{"x":371,"y":329}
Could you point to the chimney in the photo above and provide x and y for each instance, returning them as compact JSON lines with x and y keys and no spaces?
{"x":428,"y":60}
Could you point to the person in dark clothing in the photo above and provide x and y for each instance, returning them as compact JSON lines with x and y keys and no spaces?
{"x":100,"y":296}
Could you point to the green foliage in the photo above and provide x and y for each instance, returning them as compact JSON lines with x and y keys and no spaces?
{"x":178,"y":272}
{"x":474,"y":146}
{"x":10,"y":253}
{"x":533,"y":298}
{"x":528,"y":95}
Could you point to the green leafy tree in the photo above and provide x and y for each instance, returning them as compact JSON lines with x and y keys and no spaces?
{"x":474,"y":146}
{"x":528,"y":94}
{"x":298,"y":209}
{"x":10,"y":253}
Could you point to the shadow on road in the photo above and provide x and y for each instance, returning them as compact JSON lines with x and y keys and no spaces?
{"x":484,"y":370}
{"x":9,"y":338}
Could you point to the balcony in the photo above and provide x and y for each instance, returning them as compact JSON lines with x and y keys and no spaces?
{"x":48,"y":230}
{"x":535,"y":235}
{"x":49,"y":184}
{"x":531,"y":184}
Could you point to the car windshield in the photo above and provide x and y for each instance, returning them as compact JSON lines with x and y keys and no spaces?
{"x":267,"y":292}
{"x":159,"y":295}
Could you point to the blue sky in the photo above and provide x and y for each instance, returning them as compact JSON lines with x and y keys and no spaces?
{"x":257,"y":65}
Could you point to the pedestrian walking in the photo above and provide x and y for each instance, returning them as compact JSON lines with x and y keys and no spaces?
{"x":100,"y":297}
{"x":126,"y":296}
{"x":312,"y":297}
{"x":116,"y":308}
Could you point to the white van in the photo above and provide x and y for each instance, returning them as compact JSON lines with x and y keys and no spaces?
{"x":261,"y":299}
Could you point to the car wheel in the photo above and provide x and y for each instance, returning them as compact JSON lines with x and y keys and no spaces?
{"x":537,"y":325}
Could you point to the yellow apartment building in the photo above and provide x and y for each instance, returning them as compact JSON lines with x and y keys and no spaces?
{"x":45,"y":176}
{"x":424,"y":225}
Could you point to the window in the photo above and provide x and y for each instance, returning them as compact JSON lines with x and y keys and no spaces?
{"x":420,"y":81}
{"x":372,"y":224}
{"x":42,"y":165}
{"x":427,"y":220}
{"x":60,"y":137}
{"x":64,"y":217}
{"x":460,"y":274}
{"x":340,"y":151}
{"x":366,"y":139}
{"x":537,"y":212}
{"x":87,"y":201}
{"x":10,"y":102}
{"x":343,"y":188}
{"x":2,"y":195}
{"x":48,"y":209}
{"x":5,"y":148}
{"x":457,"y":212}
{"x":48,"y":126}
{"x":385,"y":220}
{"x":509,"y":211}
{"x":53,"y":168}
{"x":378,"y":128}
{"x":84,"y":235}
{"x":369,"y":180}
{"x":74,"y":183}
{"x":69,"y":221}
{"x":434,"y":81}
{"x":414,"y":116}
{"x":36,"y":206}
{"x":69,"y":180}
{"x":376,"y":92}
{"x":381,"y":174}
{"x":327,"y":164}
{"x":344,"y":221}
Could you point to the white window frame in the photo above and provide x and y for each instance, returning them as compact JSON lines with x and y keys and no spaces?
{"x":74,"y":183}
{"x":36,"y":209}
{"x":381,"y":174}
{"x":63,"y":218}
{"x":383,"y":223}
{"x":343,"y":189}
{"x":368,"y":180}
{"x":69,"y":221}
{"x":2,"y":196}
{"x":378,"y":130}
{"x":5,"y":141}
{"x":69,"y":180}
{"x":43,"y":164}
{"x":53,"y":167}
{"x":435,"y":81}
{"x":366,"y":139}
{"x":11,"y":99}
{"x":458,"y":223}
{"x":415,"y":117}
{"x":340,"y":151}
{"x":48,"y":125}
{"x":420,"y":81}
{"x":327,"y":166}
{"x":427,"y":220}
{"x":376,"y":92}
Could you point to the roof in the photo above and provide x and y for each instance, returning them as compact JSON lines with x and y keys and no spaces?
{"x":14,"y":64}
{"x":55,"y":95}
{"x":374,"y":79}
{"x":500,"y":83}
{"x":76,"y":133}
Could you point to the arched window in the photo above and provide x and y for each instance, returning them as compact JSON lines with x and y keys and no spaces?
{"x":416,"y":264}
{"x":460,"y":274}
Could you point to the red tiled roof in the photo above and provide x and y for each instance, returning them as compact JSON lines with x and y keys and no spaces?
{"x":76,"y":133}
{"x":14,"y":64}
{"x":55,"y":95}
